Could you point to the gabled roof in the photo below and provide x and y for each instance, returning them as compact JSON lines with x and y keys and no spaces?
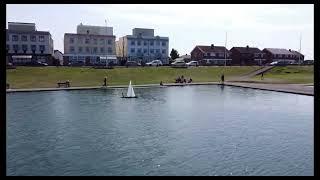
{"x":209,"y":49}
{"x":278,"y":51}
{"x":249,"y":50}
{"x":296,"y":53}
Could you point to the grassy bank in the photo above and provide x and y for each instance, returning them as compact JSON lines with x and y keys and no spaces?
{"x":41,"y":77}
{"x":288,"y":74}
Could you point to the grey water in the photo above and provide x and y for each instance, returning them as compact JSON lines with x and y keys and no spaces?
{"x":192,"y":130}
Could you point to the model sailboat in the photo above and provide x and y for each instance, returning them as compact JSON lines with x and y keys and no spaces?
{"x":130,"y":92}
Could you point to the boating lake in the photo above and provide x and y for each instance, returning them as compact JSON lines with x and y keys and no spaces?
{"x":191,"y":130}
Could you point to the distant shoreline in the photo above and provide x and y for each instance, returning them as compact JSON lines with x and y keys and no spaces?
{"x":302,"y":89}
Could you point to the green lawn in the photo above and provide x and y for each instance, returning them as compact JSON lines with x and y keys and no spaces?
{"x":38,"y":77}
{"x":288,"y":74}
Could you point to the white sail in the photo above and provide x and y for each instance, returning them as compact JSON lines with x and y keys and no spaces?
{"x":130,"y":92}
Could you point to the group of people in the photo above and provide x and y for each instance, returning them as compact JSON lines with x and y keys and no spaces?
{"x":183,"y":80}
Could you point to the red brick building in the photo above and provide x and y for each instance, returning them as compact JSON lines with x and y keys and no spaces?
{"x":247,"y":56}
{"x":211,"y":55}
{"x":282,"y":55}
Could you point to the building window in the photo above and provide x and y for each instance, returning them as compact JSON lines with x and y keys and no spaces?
{"x":79,"y":40}
{"x":8,"y":47}
{"x":87,"y":49}
{"x":157,"y":50}
{"x":15,"y":47}
{"x":15,"y":38}
{"x":283,"y":56}
{"x":24,"y":47}
{"x":24,"y":38}
{"x":164,"y":43}
{"x":109,"y":50}
{"x":139,"y":43}
{"x":71,"y":40}
{"x":151,"y":51}
{"x":139,"y":50}
{"x":71,"y":49}
{"x":87,"y":41}
{"x":41,"y":38}
{"x":163,"y":51}
{"x":95,"y":41}
{"x":33,"y":48}
{"x":145,"y":50}
{"x":158,"y":43}
{"x":80,"y":49}
{"x":151,"y":43}
{"x":102,"y":50}
{"x":145,"y":43}
{"x":33,"y":38}
{"x":208,"y":54}
{"x":42,"y":48}
{"x":95,"y":49}
{"x":133,"y":42}
{"x":109,"y":41}
{"x":132,"y":50}
{"x":7,"y":36}
{"x":101,"y":41}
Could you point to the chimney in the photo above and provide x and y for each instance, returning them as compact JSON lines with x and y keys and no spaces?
{"x":212,"y":46}
{"x":290,"y":50}
{"x":247,"y":47}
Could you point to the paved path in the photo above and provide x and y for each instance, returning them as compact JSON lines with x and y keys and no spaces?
{"x":304,"y":89}
{"x":248,"y":76}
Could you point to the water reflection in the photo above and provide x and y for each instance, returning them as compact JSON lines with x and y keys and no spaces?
{"x":192,"y":130}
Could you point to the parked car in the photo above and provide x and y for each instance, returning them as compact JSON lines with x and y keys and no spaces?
{"x":178,"y":64}
{"x":154,"y":63}
{"x":274,"y":63}
{"x":132,"y":63}
{"x":193,"y":63}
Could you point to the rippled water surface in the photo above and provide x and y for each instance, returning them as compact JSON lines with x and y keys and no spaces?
{"x":195,"y":130}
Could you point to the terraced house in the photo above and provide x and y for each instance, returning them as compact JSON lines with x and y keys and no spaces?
{"x":91,"y":45}
{"x":211,"y":55}
{"x":143,"y":46}
{"x":283,"y":55}
{"x":25,"y":44}
{"x":247,"y":56}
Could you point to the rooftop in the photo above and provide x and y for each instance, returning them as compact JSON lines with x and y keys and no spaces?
{"x":278,"y":51}
{"x":247,"y":49}
{"x":208,"y":49}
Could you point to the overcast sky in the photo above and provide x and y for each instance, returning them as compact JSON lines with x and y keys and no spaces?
{"x":262,"y":26}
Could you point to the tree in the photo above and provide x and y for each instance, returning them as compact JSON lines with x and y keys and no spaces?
{"x":174,"y":54}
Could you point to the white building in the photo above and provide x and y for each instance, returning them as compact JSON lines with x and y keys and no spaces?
{"x":25,"y":44}
{"x":91,"y":45}
{"x":142,"y":45}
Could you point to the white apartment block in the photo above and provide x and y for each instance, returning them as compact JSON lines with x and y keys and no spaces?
{"x":143,"y":46}
{"x":91,"y":45}
{"x":25,"y":44}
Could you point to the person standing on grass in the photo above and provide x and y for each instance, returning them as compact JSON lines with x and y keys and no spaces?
{"x":222,"y":78}
{"x":105,"y":81}
{"x":261,"y":76}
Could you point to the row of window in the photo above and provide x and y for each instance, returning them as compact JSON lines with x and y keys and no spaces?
{"x":32,"y":38}
{"x":139,"y":43}
{"x":285,"y":56}
{"x":94,"y":41}
{"x":132,"y":50}
{"x":216,"y":54}
{"x":88,"y":50}
{"x":25,"y":47}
